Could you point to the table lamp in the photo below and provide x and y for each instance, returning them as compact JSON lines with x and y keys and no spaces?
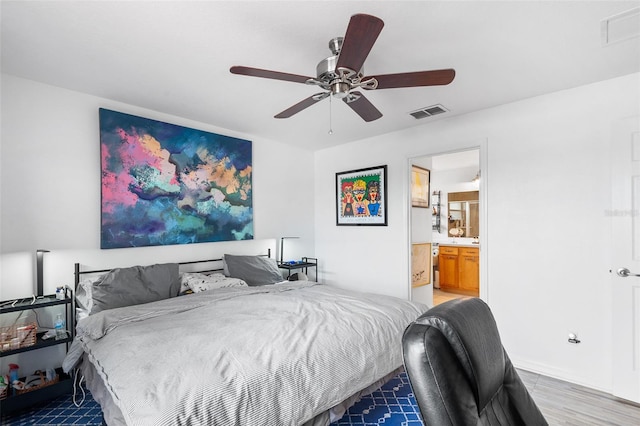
{"x":39,"y":262}
{"x":282,"y":246}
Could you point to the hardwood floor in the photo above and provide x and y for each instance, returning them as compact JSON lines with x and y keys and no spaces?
{"x":567,"y":404}
{"x":440,"y":296}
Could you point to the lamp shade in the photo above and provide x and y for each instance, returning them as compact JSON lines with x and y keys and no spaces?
{"x":282,"y":246}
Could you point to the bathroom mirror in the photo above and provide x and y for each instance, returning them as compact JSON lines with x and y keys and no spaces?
{"x":464,"y":214}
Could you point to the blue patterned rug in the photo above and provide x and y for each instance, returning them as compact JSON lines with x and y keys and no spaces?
{"x":59,"y":411}
{"x":391,"y":405}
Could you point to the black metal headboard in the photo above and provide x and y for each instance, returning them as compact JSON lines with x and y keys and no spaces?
{"x":78,"y":273}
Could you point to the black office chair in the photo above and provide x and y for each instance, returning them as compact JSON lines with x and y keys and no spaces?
{"x":459,"y":371}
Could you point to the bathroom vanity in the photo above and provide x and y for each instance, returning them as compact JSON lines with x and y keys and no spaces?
{"x":459,"y":266}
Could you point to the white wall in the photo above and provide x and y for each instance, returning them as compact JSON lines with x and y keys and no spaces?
{"x":50,"y":189}
{"x":421,"y":230}
{"x":547,"y":243}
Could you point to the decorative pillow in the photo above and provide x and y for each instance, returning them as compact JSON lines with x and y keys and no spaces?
{"x":135,"y":285}
{"x":184,"y":284}
{"x":255,"y":270}
{"x":197,"y":282}
{"x":84,"y":299}
{"x":298,"y":276}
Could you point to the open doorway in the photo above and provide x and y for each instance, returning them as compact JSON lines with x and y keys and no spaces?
{"x":450,"y":226}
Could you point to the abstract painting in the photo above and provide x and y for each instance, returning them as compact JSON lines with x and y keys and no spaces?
{"x":165,"y":184}
{"x":361,"y":197}
{"x":420,"y":264}
{"x":420,"y":180}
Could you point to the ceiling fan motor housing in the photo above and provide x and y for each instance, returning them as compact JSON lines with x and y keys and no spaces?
{"x":326,"y":69}
{"x":338,"y":82}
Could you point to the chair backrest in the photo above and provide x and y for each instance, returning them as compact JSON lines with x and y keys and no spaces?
{"x":460,"y":372}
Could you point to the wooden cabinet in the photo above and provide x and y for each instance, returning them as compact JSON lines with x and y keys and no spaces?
{"x":448,"y":267}
{"x":459,"y":269}
{"x":469,"y":269}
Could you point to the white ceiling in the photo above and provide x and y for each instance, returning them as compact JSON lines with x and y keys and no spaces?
{"x":174,"y":56}
{"x":456,"y":160}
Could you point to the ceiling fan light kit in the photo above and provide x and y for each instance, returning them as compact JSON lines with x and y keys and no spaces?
{"x":340,"y":74}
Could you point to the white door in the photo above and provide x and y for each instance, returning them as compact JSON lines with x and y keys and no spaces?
{"x":625,"y":276}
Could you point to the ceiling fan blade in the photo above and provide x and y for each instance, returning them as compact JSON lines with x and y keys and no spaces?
{"x":362,"y":33}
{"x":413,"y":79}
{"x":362,"y":106}
{"x":275,"y":75}
{"x":305,"y":103}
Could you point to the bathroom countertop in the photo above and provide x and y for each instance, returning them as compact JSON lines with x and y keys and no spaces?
{"x":459,"y":245}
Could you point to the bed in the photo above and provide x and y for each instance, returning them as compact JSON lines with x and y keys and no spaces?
{"x":230,"y":346}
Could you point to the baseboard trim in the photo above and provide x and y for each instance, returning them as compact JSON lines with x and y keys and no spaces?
{"x":556,"y":373}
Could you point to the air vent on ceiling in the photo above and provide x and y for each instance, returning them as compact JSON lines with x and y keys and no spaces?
{"x":428,"y":111}
{"x":622,"y":26}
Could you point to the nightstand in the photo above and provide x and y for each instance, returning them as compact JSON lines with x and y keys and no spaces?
{"x":32,"y":340}
{"x":304,"y":264}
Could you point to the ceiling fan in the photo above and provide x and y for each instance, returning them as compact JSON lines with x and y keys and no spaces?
{"x":341,"y":74}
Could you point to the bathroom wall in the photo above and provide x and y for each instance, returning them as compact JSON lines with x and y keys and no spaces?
{"x":451,"y":180}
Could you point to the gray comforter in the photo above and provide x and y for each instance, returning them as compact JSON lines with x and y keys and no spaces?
{"x":271,"y":355}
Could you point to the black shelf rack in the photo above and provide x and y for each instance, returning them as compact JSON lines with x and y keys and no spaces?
{"x":304,"y":264}
{"x":14,"y":402}
{"x":436,"y":210}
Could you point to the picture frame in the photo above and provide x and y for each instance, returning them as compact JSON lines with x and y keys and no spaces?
{"x":420,"y":187}
{"x":361,"y":197}
{"x":421,"y":264}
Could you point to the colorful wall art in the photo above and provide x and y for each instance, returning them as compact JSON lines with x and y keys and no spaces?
{"x":165,"y":184}
{"x":361,"y":197}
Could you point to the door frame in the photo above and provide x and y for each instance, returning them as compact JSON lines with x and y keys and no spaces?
{"x":482,"y":146}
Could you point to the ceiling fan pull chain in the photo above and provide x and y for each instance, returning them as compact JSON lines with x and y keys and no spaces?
{"x":330,"y":120}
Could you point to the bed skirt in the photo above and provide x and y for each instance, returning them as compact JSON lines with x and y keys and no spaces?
{"x":113,"y":417}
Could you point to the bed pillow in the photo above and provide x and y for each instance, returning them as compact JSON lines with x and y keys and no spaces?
{"x":197,"y":282}
{"x":135,"y":285}
{"x":255,"y":270}
{"x":84,"y":299}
